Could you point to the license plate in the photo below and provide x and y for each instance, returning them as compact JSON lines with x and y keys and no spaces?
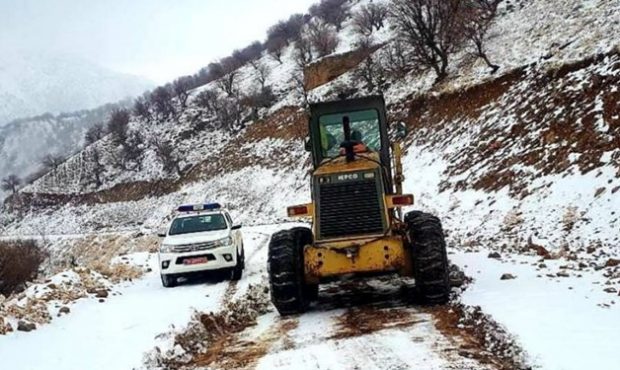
{"x":194,"y":261}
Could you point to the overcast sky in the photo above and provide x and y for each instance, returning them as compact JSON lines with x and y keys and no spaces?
{"x":158,"y":39}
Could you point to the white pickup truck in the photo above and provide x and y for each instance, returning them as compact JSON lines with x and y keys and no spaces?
{"x":201,"y":237}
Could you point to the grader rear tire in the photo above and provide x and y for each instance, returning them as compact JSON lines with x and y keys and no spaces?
{"x":430,"y":259}
{"x":289,"y":292}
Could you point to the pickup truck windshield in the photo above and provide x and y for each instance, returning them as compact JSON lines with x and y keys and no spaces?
{"x":198,"y":224}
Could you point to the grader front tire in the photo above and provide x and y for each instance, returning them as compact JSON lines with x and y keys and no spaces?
{"x":289,"y":292}
{"x":430,"y":258}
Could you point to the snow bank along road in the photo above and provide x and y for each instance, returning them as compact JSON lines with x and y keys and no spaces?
{"x":372,"y":324}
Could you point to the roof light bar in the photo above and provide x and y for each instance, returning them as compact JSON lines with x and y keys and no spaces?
{"x":199,"y":207}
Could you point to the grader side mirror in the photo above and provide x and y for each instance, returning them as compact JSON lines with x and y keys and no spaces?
{"x":308,"y":145}
{"x":400,"y":131}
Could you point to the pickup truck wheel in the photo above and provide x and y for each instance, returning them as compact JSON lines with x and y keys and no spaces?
{"x":237,"y":271}
{"x":168,"y":281}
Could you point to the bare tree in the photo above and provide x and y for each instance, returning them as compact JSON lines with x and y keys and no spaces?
{"x":323,"y":37}
{"x":118,"y":125}
{"x":142,"y":108}
{"x":94,"y":134}
{"x":370,"y":17}
{"x":181,"y":87}
{"x":229,"y":113}
{"x":161,"y":98}
{"x":262,"y":72}
{"x":370,"y":73}
{"x":166,"y":154}
{"x":95,"y":167}
{"x":133,"y":150}
{"x":432,"y":28}
{"x":303,"y":54}
{"x":299,"y":87}
{"x":261,"y":97}
{"x":478,"y":15}
{"x":288,"y":30}
{"x":396,"y":60}
{"x":331,"y":11}
{"x":209,"y":100}
{"x":11,"y":183}
{"x":228,"y":83}
{"x":52,"y":161}
{"x":275,"y":47}
{"x":250,"y":53}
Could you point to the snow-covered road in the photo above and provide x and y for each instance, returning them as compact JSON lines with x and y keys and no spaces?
{"x":371,"y":324}
{"x":110,"y":335}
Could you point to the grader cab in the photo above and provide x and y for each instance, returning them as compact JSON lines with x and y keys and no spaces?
{"x":357,"y":224}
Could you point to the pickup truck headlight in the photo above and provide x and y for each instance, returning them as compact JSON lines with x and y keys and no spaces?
{"x":225,"y":242}
{"x":165,"y":248}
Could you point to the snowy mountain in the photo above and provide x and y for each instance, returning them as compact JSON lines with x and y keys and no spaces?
{"x":25,"y":142}
{"x":33,"y":83}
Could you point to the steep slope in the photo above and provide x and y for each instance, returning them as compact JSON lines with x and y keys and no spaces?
{"x":24,"y":142}
{"x":551,"y":113}
{"x":33,"y":83}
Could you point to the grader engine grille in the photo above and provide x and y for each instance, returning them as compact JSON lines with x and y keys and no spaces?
{"x":347,"y":208}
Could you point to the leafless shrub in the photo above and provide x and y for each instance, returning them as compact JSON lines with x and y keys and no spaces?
{"x":167,"y":156}
{"x":19,"y":264}
{"x":323,"y":37}
{"x":370,"y":17}
{"x":11,"y":183}
{"x":181,"y":87}
{"x":288,"y":30}
{"x":330,"y":11}
{"x":94,"y":134}
{"x":229,"y":114}
{"x":209,"y":100}
{"x":94,"y":168}
{"x":478,"y":15}
{"x":299,"y":87}
{"x":142,"y":109}
{"x":133,"y":150}
{"x":228,"y":82}
{"x":262,"y":72}
{"x":370,"y":73}
{"x":275,"y":47}
{"x":52,"y":161}
{"x":431,"y":28}
{"x":118,"y":125}
{"x":161,"y":99}
{"x":249,"y":53}
{"x":303,"y":53}
{"x":396,"y":61}
{"x":263,"y":97}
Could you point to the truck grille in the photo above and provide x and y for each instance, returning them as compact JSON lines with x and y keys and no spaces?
{"x":349,"y":208}
{"x":186,"y":248}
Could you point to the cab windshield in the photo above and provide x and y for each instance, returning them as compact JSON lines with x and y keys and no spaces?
{"x":364,"y":128}
{"x":198,"y":224}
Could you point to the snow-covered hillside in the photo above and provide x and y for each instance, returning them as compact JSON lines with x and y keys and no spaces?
{"x":33,"y":83}
{"x":25,"y":142}
{"x":474,"y":123}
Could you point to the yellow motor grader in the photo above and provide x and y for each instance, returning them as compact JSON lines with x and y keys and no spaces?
{"x":357,"y":224}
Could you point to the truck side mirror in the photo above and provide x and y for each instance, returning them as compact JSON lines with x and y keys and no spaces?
{"x":400,"y":130}
{"x":236,"y":227}
{"x":308,"y":145}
